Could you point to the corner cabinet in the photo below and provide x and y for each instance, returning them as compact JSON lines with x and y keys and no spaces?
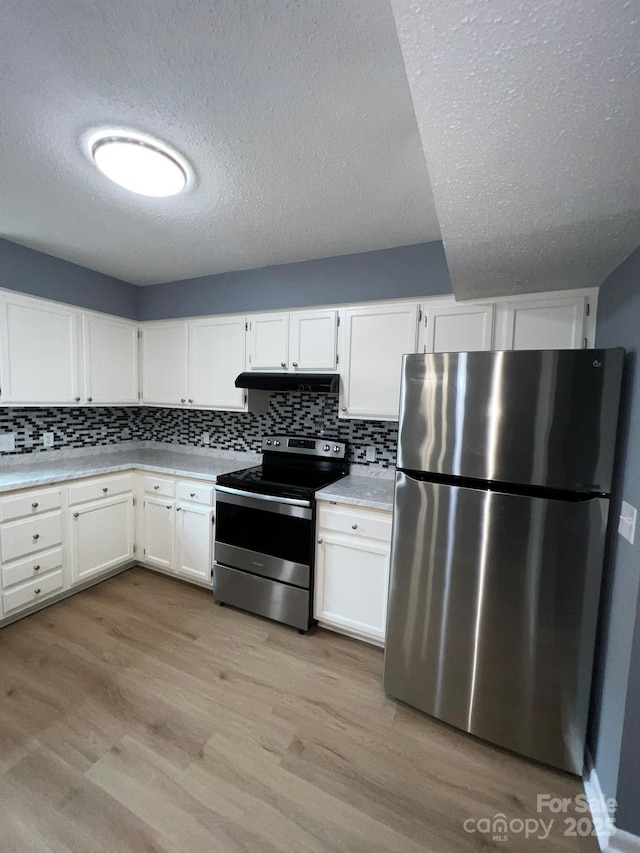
{"x":352,"y":570}
{"x":373,"y":341}
{"x":39,"y":348}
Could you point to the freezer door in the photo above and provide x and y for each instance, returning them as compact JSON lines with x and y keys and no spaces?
{"x":492,"y":614}
{"x":535,"y":417}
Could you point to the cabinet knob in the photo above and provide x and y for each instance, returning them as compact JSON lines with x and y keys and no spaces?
{"x":105,"y":489}
{"x":35,"y":505}
{"x":182,"y":400}
{"x":36,"y":536}
{"x":178,"y":508}
{"x":156,"y":487}
{"x":319,"y":541}
{"x":354,"y":526}
{"x":192,"y":494}
{"x":168,"y":506}
{"x":77,"y":399}
{"x":344,"y":408}
{"x":37,"y":591}
{"x":283,"y":364}
{"x":190,"y":400}
{"x":36,"y":568}
{"x":76,"y":514}
{"x":89,"y":399}
{"x":295,"y":363}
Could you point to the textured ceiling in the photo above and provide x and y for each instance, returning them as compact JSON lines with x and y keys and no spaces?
{"x":296,"y":117}
{"x":529,"y":114}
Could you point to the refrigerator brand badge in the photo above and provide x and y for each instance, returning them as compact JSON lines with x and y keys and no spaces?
{"x":597,"y":363}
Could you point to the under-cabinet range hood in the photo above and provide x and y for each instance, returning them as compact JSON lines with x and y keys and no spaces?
{"x":319,"y":383}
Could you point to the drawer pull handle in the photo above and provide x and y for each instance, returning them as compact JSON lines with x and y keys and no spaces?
{"x":36,"y":568}
{"x":37,"y":591}
{"x":35,"y":505}
{"x":36,"y":536}
{"x":192,"y":494}
{"x":354,"y":526}
{"x":156,"y":487}
{"x":105,"y":489}
{"x":76,"y":514}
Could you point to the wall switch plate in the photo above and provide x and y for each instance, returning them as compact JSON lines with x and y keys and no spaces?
{"x":206,"y":438}
{"x":7,"y":442}
{"x":47,"y":439}
{"x":627,"y":523}
{"x":370,"y":453}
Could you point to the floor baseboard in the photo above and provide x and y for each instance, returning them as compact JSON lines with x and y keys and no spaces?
{"x":623,"y":842}
{"x":610,"y":839}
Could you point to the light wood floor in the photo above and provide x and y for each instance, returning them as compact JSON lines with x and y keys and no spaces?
{"x":138,"y":716}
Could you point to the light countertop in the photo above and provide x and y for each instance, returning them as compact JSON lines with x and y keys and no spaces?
{"x":49,"y":469}
{"x":372,"y":492}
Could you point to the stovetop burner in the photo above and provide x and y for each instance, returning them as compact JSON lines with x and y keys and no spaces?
{"x":292,"y":466}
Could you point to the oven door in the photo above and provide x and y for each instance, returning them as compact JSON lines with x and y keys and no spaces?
{"x":265,"y":535}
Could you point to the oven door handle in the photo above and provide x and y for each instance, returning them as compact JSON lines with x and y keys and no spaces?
{"x":259,"y":497}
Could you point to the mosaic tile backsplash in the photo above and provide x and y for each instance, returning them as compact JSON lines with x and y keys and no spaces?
{"x":305,"y":414}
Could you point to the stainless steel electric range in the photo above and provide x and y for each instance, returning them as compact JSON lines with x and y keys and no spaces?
{"x":265,"y":527}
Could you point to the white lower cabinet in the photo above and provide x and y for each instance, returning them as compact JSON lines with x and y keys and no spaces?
{"x":178,"y":531}
{"x":352,"y":570}
{"x":102,"y":536}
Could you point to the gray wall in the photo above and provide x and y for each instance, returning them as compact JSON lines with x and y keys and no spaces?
{"x":615,"y":734}
{"x":37,"y":274}
{"x":405,"y":271}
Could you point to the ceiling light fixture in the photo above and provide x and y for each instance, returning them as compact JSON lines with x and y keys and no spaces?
{"x":139,"y":163}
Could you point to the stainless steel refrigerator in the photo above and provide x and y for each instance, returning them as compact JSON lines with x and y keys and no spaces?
{"x":501,"y":501}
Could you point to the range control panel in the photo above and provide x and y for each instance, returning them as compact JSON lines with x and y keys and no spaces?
{"x":320,"y":446}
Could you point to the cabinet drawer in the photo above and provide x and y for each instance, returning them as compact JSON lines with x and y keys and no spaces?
{"x":158,"y":486}
{"x":32,"y":592}
{"x":29,"y":503}
{"x":366,"y":523}
{"x":103,"y":487}
{"x":31,"y":568}
{"x":195,"y":493}
{"x":20,"y":538}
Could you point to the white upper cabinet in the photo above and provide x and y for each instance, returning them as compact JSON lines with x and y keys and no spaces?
{"x":312,"y":340}
{"x":216,"y":357}
{"x":269,"y":342}
{"x":374,"y":339}
{"x":547,"y":322}
{"x":110,"y":360}
{"x":164,"y":363}
{"x":39,"y":346}
{"x":456,"y":327}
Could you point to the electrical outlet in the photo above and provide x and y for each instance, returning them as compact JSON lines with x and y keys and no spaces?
{"x":206,"y":438}
{"x":7,"y":442}
{"x":627,"y":523}
{"x":370,"y":453}
{"x":47,"y":439}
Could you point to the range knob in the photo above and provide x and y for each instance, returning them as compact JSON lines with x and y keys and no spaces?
{"x":276,"y":443}
{"x":268,"y":441}
{"x":336,"y":448}
{"x":326,"y":447}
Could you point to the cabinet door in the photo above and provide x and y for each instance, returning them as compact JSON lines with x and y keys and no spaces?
{"x":101,"y":536}
{"x":375,"y":340}
{"x":312,"y":340}
{"x":269,"y":348}
{"x":110,"y":359}
{"x":352,"y":577}
{"x":194,"y":538}
{"x":164,"y":363}
{"x":159,"y":532}
{"x":544,"y":323}
{"x":40,"y":353}
{"x":456,"y":328}
{"x":216,"y":357}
